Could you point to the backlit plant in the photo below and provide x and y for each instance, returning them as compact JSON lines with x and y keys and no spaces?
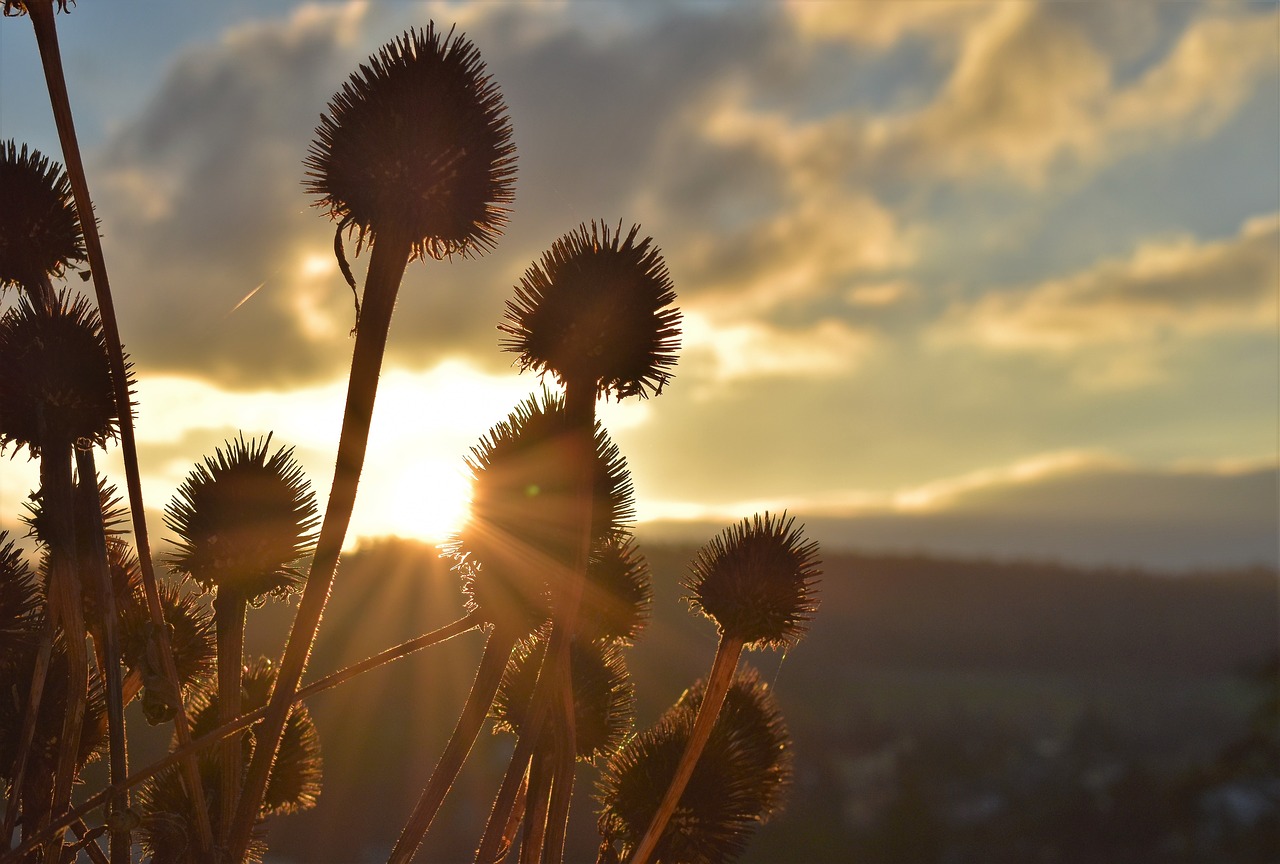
{"x":413,"y":159}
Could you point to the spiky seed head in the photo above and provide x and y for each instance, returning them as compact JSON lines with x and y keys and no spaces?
{"x":57,"y":386}
{"x":757,"y":581}
{"x":735,"y":786}
{"x":603,"y":695}
{"x":522,"y":530}
{"x":191,"y":637}
{"x":418,"y":140}
{"x":595,"y":312}
{"x":754,"y":731}
{"x":244,"y":519}
{"x":114,"y":514}
{"x":21,"y":602}
{"x":618,"y":595}
{"x":39,"y":229}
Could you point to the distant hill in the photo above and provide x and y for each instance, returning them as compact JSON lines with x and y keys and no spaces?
{"x":897,"y":639}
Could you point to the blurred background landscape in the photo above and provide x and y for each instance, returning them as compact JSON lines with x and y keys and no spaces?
{"x":943,"y":710}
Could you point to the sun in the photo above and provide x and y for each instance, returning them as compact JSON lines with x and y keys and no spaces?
{"x":427,"y":499}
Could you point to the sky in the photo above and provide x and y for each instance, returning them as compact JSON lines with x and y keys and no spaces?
{"x":991,"y":278}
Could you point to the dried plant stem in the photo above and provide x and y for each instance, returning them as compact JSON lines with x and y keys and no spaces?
{"x":500,"y":829}
{"x":41,"y":12}
{"x":537,"y":800}
{"x":562,"y":764}
{"x":39,"y":674}
{"x":228,"y":620}
{"x":390,"y":256}
{"x":497,"y":651}
{"x":718,"y":682}
{"x":66,"y":607}
{"x":191,"y":748}
{"x":109,"y":649}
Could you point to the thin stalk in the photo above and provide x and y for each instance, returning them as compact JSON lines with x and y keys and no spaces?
{"x":228,"y":620}
{"x":497,"y":651}
{"x":85,"y":841}
{"x":192,"y":748}
{"x":40,"y":672}
{"x":118,"y":754}
{"x":390,"y":256}
{"x":718,"y":682}
{"x":498,"y":831}
{"x":516,"y":816}
{"x":42,"y":20}
{"x":537,"y":800}
{"x":563,"y":759}
{"x":66,"y":606}
{"x":580,"y":408}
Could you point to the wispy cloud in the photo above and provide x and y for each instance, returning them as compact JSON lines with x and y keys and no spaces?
{"x":1177,"y":288}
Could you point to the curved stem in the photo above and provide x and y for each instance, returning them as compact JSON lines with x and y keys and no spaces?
{"x":387,"y":263}
{"x":228,"y":620}
{"x":191,"y":748}
{"x":497,"y":651}
{"x":718,"y":682}
{"x":118,"y":755}
{"x":42,"y":20}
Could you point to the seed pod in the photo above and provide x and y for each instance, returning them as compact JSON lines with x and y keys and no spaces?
{"x":244,"y":520}
{"x":521,"y":530}
{"x":418,"y":139}
{"x":603,"y":695}
{"x":56,"y":373}
{"x":756,"y":581}
{"x":595,"y":313}
{"x":39,"y":229}
{"x":618,"y":595}
{"x":735,"y":786}
{"x":21,"y":605}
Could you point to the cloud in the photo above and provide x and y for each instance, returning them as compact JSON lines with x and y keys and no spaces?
{"x":1171,"y":289}
{"x":725,"y":353}
{"x":877,"y":24}
{"x":1031,"y":95}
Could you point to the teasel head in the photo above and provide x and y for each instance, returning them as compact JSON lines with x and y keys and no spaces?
{"x":419,"y":141}
{"x":294,"y":782}
{"x":244,"y":520}
{"x":521,"y":529}
{"x":595,"y":312}
{"x":603,"y":695}
{"x":167,"y":818}
{"x":57,"y":384}
{"x":191,"y":640}
{"x":736,"y":785}
{"x":21,"y":606}
{"x":757,"y":581}
{"x":39,"y":229}
{"x":618,"y":596}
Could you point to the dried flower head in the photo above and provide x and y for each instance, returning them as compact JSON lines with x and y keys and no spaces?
{"x":603,"y":695}
{"x":21,"y":602}
{"x":56,"y":385}
{"x":595,"y":312}
{"x":521,"y":531}
{"x":39,"y":229}
{"x":618,"y":595}
{"x":244,"y":520}
{"x":735,"y":786}
{"x":756,"y":580}
{"x":191,"y":637}
{"x":418,"y":140}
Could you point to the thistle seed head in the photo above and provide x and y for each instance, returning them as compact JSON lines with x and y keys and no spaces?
{"x":56,"y":387}
{"x":521,"y":532}
{"x":735,"y":786}
{"x":244,"y":520}
{"x":756,"y":580}
{"x":39,"y":229}
{"x":618,"y":596}
{"x":603,"y":695}
{"x":595,"y":312}
{"x":418,"y":140}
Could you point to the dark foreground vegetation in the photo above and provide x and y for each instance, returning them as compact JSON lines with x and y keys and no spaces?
{"x":942,"y":711}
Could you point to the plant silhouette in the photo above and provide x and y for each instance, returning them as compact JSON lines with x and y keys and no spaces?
{"x":413,"y":159}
